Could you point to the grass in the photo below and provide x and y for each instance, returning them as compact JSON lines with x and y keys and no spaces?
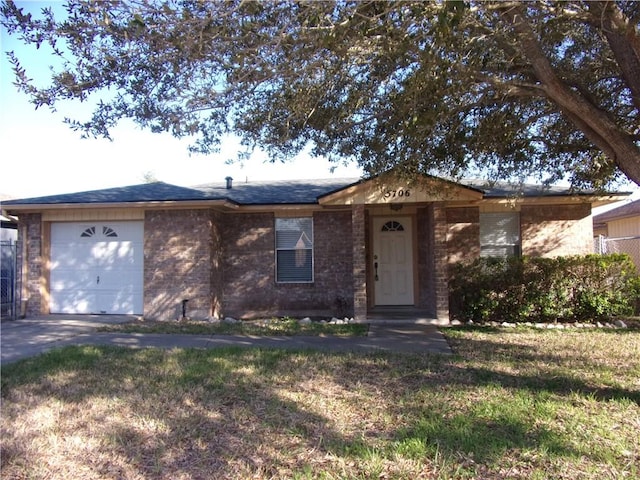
{"x":276,"y":326}
{"x":510,"y":403}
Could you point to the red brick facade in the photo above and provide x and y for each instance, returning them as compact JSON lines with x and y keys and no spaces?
{"x":33,"y":281}
{"x":250,"y":287}
{"x":224,"y":263}
{"x":550,"y":231}
{"x":178,"y":260}
{"x":359,"y":262}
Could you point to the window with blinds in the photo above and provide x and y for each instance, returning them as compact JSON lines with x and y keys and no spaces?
{"x":294,"y":250}
{"x":499,"y":234}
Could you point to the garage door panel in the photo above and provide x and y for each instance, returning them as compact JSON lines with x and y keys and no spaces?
{"x":121,"y":255}
{"x":96,"y":267}
{"x":73,"y":301}
{"x":73,"y":255}
{"x":118,"y":301}
{"x":73,"y":279}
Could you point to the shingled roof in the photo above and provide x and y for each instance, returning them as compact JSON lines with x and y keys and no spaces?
{"x":285,"y":192}
{"x":250,"y":193}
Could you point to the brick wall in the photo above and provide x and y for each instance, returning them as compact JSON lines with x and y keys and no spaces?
{"x":426,"y":278}
{"x":250,"y":288}
{"x":359,"y":261}
{"x":554,"y":230}
{"x":32,"y":281}
{"x":440,"y":260}
{"x":463,"y":234}
{"x":217,"y":256}
{"x":177,"y":263}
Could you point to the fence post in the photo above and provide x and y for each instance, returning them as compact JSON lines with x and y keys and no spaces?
{"x":602,"y":244}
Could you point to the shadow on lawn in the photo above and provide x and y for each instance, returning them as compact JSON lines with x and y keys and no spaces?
{"x":545,"y":371}
{"x":230,"y":412}
{"x":182,"y":413}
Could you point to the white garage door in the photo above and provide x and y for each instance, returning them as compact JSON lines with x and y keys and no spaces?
{"x":96,"y":267}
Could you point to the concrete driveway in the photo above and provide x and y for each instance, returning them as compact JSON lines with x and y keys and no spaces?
{"x":28,"y":337}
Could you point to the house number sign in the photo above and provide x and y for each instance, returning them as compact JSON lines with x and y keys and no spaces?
{"x":397,"y":193}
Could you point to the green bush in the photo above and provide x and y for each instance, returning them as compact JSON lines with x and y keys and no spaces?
{"x":575,"y":288}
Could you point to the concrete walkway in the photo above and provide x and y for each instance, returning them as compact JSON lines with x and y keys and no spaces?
{"x":28,"y":337}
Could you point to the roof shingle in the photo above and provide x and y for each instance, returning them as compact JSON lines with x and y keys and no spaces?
{"x":261,"y":192}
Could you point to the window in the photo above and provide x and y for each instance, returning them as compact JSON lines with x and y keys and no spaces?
{"x":392,"y":226}
{"x":499,"y":234}
{"x":294,"y":250}
{"x":88,"y":232}
{"x":106,"y":231}
{"x":109,"y":232}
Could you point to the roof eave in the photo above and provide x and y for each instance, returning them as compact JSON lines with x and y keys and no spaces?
{"x":593,"y":199}
{"x":37,"y":207}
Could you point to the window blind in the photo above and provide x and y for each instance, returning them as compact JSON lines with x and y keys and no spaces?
{"x":499,"y":234}
{"x":294,"y":249}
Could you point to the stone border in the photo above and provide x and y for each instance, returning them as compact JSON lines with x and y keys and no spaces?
{"x":617,"y":324}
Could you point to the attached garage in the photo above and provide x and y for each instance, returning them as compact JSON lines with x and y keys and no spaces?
{"x":96,"y":267}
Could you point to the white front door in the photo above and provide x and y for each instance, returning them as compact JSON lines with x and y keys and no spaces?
{"x":393,"y":260}
{"x":96,"y":267}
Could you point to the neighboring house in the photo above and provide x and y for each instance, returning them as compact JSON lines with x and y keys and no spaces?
{"x":315,"y":247}
{"x":619,"y":231}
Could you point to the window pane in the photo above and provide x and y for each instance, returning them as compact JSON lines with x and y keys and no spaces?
{"x":294,"y":249}
{"x":499,"y":234}
{"x":293,"y":232}
{"x":498,"y":250}
{"x":294,"y":265}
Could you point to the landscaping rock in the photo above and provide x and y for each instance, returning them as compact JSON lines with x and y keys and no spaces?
{"x":230,"y":320}
{"x":619,"y":324}
{"x":305,"y":321}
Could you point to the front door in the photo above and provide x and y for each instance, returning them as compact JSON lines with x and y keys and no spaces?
{"x":393,"y":260}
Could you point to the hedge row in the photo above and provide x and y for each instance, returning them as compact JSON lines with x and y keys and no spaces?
{"x":575,"y":288}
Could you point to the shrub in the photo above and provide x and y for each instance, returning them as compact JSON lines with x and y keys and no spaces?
{"x":575,"y":288}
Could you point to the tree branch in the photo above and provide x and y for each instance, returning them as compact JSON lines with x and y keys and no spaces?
{"x":624,"y":41}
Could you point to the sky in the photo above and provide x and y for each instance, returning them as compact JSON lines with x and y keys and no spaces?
{"x":42,"y":156}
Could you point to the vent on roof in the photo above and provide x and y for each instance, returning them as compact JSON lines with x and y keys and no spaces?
{"x":229,"y":183}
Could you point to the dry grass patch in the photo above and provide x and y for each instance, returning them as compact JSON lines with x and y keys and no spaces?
{"x":266,"y":327}
{"x":509,"y":404}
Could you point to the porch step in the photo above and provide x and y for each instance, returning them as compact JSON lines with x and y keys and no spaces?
{"x":402,"y":315}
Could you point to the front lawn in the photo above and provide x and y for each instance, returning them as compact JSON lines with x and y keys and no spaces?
{"x":511,"y":403}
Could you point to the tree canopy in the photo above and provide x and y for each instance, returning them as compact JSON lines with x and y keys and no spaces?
{"x":509,"y":89}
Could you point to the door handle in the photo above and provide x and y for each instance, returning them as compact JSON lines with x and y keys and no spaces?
{"x":98,"y":280}
{"x":375,"y":266}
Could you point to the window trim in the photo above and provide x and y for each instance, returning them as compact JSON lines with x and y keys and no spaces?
{"x":311,"y":250}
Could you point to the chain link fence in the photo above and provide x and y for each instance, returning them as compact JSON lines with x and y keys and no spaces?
{"x":9,"y":274}
{"x":628,"y":245}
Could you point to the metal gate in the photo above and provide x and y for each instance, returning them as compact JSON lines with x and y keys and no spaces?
{"x":9,"y":274}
